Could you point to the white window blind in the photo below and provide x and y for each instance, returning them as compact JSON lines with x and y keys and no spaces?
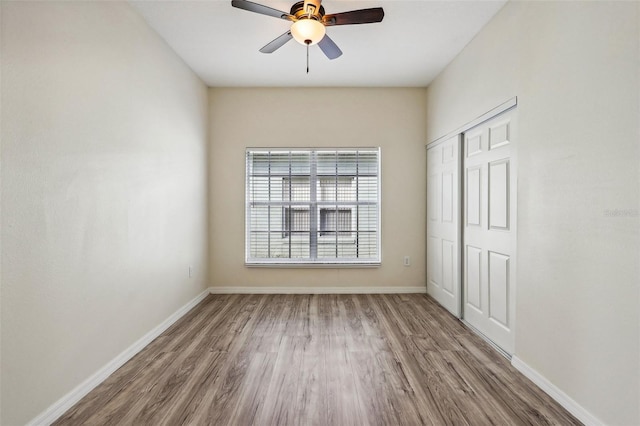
{"x":315,"y":206}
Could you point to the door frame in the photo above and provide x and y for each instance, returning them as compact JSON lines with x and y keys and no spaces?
{"x":459,"y":279}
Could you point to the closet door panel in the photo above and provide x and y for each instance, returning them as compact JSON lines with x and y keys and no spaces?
{"x":443,"y":224}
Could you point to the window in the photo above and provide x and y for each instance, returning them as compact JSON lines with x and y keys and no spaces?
{"x":313,"y":206}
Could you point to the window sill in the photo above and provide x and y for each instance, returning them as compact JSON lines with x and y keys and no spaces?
{"x":307,"y":265}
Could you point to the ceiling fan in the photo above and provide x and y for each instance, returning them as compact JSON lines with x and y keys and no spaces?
{"x":308,"y":24}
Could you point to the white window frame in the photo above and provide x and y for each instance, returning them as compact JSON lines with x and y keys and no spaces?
{"x":315,"y":204}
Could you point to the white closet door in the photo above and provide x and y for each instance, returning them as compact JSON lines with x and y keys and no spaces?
{"x":443,"y":224}
{"x":489,"y":229}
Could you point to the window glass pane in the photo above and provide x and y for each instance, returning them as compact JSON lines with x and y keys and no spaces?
{"x":337,"y":189}
{"x":275,"y":218}
{"x":300,"y":245}
{"x":347,"y":163}
{"x":279,"y":164}
{"x":278,"y":246}
{"x":368,"y":163}
{"x":259,"y":244}
{"x":300,"y":163}
{"x":259,"y":218}
{"x":327,"y":189}
{"x":338,"y":219}
{"x":327,"y":246}
{"x":346,"y":189}
{"x":296,"y":219}
{"x":347,"y":248}
{"x":259,"y":188}
{"x":368,"y":188}
{"x":258,"y":163}
{"x":367,"y":218}
{"x":273,"y":192}
{"x":296,"y":189}
{"x":326,"y":163}
{"x":367,"y":243}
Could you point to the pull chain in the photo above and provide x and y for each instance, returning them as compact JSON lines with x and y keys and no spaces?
{"x":311,"y":9}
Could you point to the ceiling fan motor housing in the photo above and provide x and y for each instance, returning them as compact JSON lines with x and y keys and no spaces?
{"x":308,"y":9}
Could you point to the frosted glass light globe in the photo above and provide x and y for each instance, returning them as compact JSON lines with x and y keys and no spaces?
{"x":308,"y":30}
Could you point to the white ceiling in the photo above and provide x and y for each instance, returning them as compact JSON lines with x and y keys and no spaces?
{"x":413,"y":43}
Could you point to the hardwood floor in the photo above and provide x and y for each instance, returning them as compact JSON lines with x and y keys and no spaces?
{"x":317,"y":360}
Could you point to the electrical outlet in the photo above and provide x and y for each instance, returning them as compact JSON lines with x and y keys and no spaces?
{"x":406,"y":261}
{"x":190,"y":271}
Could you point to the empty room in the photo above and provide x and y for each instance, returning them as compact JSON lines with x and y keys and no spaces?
{"x":300,"y":213}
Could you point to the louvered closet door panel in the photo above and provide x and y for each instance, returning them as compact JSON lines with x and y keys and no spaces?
{"x":443,"y":224}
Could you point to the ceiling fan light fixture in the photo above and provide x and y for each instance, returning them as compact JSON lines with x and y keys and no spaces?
{"x":308,"y":31}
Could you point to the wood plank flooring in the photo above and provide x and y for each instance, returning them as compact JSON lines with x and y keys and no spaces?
{"x":317,"y":360}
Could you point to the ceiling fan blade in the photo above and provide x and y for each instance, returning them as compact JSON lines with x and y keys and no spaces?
{"x":329,"y":47}
{"x":362,"y":16}
{"x":259,"y":8}
{"x":277,"y":43}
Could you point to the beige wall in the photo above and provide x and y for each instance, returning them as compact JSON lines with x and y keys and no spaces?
{"x":390,"y":118}
{"x":575,"y":68}
{"x":104,"y":146}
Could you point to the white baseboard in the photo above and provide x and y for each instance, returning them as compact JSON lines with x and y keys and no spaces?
{"x":52,"y":413}
{"x":317,"y":290}
{"x":554,"y":392}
